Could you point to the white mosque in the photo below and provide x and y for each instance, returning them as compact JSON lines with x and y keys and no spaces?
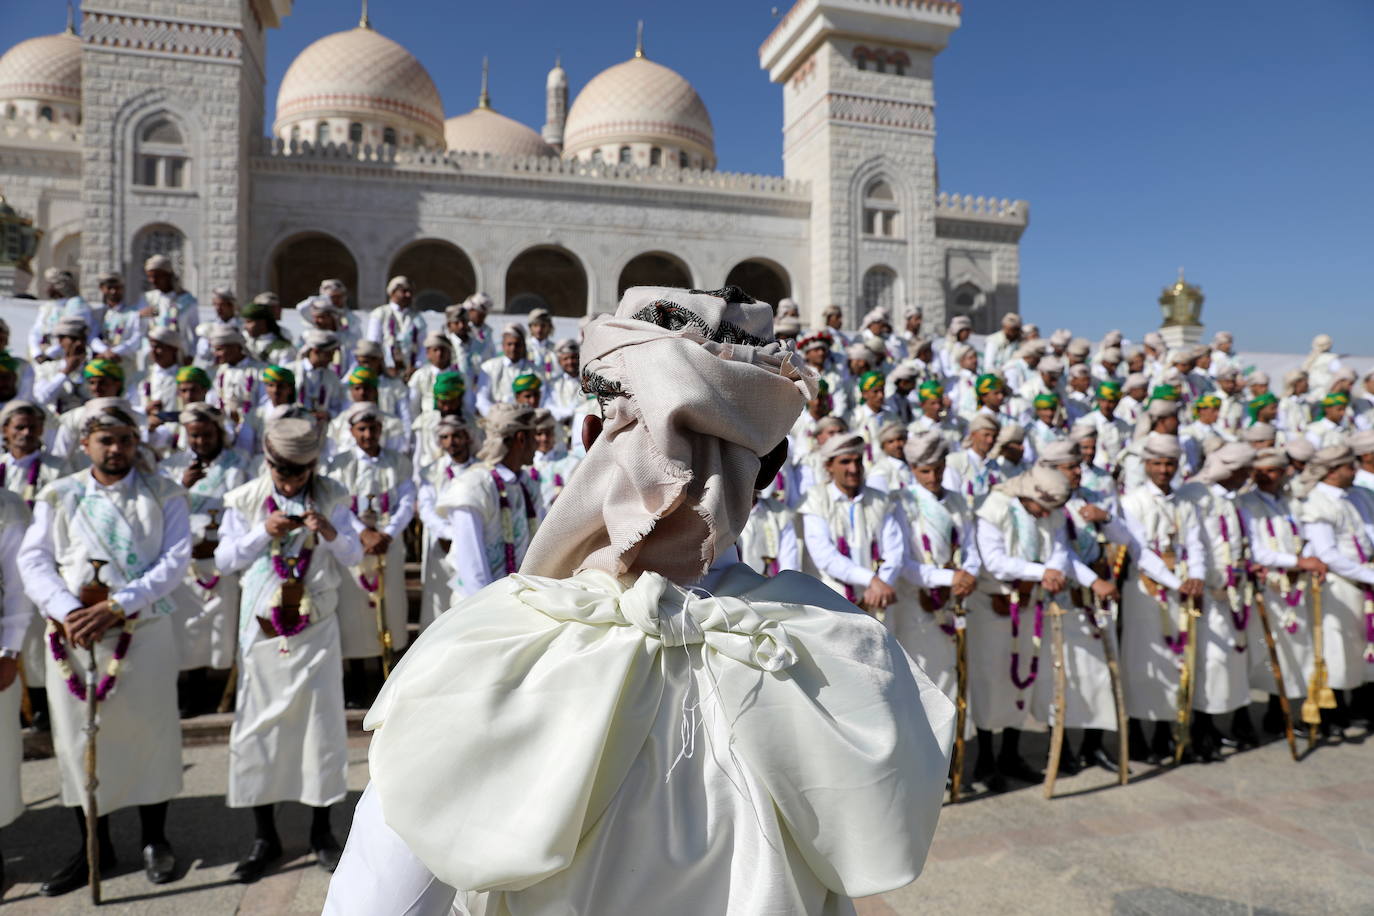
{"x":141,"y":132}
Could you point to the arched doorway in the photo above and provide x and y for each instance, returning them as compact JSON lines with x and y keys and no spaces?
{"x":301,"y":263}
{"x":654,"y":268}
{"x":158,"y":238}
{"x":66,"y":255}
{"x":550,"y":278}
{"x":879,"y":288}
{"x":763,"y":279}
{"x":441,"y":273}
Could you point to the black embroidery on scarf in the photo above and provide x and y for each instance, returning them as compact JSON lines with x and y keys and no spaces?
{"x":674,"y":317}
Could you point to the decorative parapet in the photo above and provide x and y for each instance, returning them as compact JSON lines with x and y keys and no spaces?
{"x":946,"y":7}
{"x":160,"y":35}
{"x":38,"y":133}
{"x":437,"y":162}
{"x":967,"y":206}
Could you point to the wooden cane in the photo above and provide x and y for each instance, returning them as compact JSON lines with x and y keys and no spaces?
{"x":383,"y":630}
{"x":1277,"y":669}
{"x":1186,"y":680}
{"x":25,"y":701}
{"x":956,"y":778}
{"x":1060,"y":689}
{"x":226,"y":699}
{"x":92,"y":779}
{"x":1319,"y":694}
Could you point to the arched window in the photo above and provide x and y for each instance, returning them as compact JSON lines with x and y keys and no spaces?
{"x":900,"y":61}
{"x":596,"y":156}
{"x":879,"y":288}
{"x":321,"y":133}
{"x":683,"y":161}
{"x":389,"y":136}
{"x":861,"y":57}
{"x":45,"y":113}
{"x":161,"y":160}
{"x":355,"y":133}
{"x":655,"y":156}
{"x":296,"y":133}
{"x":625,"y":155}
{"x":880,"y":210}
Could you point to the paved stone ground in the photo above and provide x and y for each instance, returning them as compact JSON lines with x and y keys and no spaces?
{"x":1254,"y":835}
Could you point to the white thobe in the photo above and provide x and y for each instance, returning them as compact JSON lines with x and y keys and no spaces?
{"x":478,"y":551}
{"x":1276,"y":544}
{"x":15,"y":615}
{"x":1339,"y":527}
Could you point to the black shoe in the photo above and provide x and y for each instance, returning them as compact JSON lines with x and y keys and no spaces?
{"x":996,"y":783}
{"x":1069,"y":765}
{"x":1332,"y":731}
{"x":263,"y":854}
{"x":76,"y":873}
{"x":159,"y":862}
{"x":327,"y":852}
{"x":1101,"y":758}
{"x":1016,"y":768}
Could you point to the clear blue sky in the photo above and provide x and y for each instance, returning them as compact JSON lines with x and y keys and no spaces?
{"x":1231,"y":137}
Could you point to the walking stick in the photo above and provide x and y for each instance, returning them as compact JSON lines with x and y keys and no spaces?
{"x":230,"y":686}
{"x":25,"y":701}
{"x":1108,"y":635}
{"x":92,"y":779}
{"x":1186,"y":682}
{"x":383,"y":630}
{"x":1060,"y":688}
{"x":1319,"y":693}
{"x":1277,"y":669}
{"x":956,"y":779}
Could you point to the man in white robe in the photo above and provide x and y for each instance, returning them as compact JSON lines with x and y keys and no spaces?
{"x":319,"y":374}
{"x":398,"y":327}
{"x":61,"y":300}
{"x":290,"y":535}
{"x":438,"y":360}
{"x":15,"y":615}
{"x":622,"y":829}
{"x":553,"y":465}
{"x":121,"y":326}
{"x":453,"y":444}
{"x":972,"y":470}
{"x":106,"y":548}
{"x":500,"y":372}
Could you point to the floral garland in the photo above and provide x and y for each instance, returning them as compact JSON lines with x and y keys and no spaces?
{"x":290,"y":568}
{"x":508,"y":518}
{"x":1368,"y":605}
{"x":1021,"y":683}
{"x":30,"y":479}
{"x":75,"y":686}
{"x":1291,"y":594}
{"x":940,"y":595}
{"x":842,"y":545}
{"x":376,"y":583}
{"x":1241,"y":597}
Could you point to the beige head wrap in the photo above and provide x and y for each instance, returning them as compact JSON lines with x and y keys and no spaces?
{"x":438,"y":339}
{"x":842,"y":444}
{"x":223,"y":335}
{"x":1059,"y":451}
{"x":107,"y":413}
{"x":980,"y":421}
{"x":926,"y":449}
{"x":1079,"y":346}
{"x":1300,"y":448}
{"x":293,"y":440}
{"x":1271,"y":458}
{"x":1083,"y":429}
{"x":1049,"y":364}
{"x":316,"y":339}
{"x":396,"y":283}
{"x":328,"y":287}
{"x":893,"y":430}
{"x":1110,"y":355}
{"x":1319,"y":465}
{"x":1060,"y":338}
{"x":1259,"y":432}
{"x":70,"y":327}
{"x":501,"y":422}
{"x":166,"y":336}
{"x":159,"y":262}
{"x":1011,"y":320}
{"x":1225,"y":461}
{"x":828,"y":424}
{"x":1291,"y":379}
{"x":1136,"y":380}
{"x":544,"y":419}
{"x":1154,"y":340}
{"x":1044,"y":485}
{"x":1361,"y":443}
{"x":367,"y":348}
{"x":1009,"y":434}
{"x":19,"y":405}
{"x":200,"y":412}
{"x":1160,"y":446}
{"x":694,"y":390}
{"x":1258,"y":378}
{"x":360,"y":411}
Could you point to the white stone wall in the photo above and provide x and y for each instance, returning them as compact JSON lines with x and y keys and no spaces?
{"x":40,"y":176}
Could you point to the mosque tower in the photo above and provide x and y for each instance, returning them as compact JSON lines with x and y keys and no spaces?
{"x":556,"y":105}
{"x":859,"y":126}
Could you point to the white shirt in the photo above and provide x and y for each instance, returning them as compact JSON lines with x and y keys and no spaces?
{"x":820,"y":545}
{"x":238,"y":546}
{"x":404,"y":509}
{"x":1321,"y":536}
{"x":16,"y":612}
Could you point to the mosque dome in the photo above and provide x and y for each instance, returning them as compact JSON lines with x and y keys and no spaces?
{"x":484,"y":130}
{"x":639,"y":103}
{"x":47,"y":68}
{"x":364,"y":77}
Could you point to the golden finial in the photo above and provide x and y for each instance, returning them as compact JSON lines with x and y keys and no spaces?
{"x":484,"y":99}
{"x":639,"y":39}
{"x":364,"y":22}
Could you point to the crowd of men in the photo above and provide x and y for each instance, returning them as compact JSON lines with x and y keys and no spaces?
{"x":186,"y":491}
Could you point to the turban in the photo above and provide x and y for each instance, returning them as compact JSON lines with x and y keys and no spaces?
{"x":1031,"y":330}
{"x":832,"y":310}
{"x":1258,"y":377}
{"x":1300,"y":448}
{"x":222,"y":335}
{"x":526,"y":382}
{"x":224,"y":292}
{"x":816,"y":341}
{"x":1271,"y":458}
{"x":279,"y":374}
{"x":362,"y":411}
{"x":1110,"y":355}
{"x":193,"y":375}
{"x":1225,"y":461}
{"x":1061,"y":337}
{"x":396,"y":283}
{"x":158,"y":262}
{"x":959,"y":352}
{"x":1221,"y":339}
{"x":829,"y":424}
{"x":1083,"y":429}
{"x":513,"y":330}
{"x":320,"y":304}
{"x":438,"y":339}
{"x":480,"y":301}
{"x":1136,"y":380}
{"x":860,"y":351}
{"x":1011,"y":320}
{"x":1320,"y":464}
{"x":1049,"y":364}
{"x":567,"y":345}
{"x":536,"y":315}
{"x":842,"y":444}
{"x":107,"y":413}
{"x":982,"y":421}
{"x":267,"y":298}
{"x":1255,"y":406}
{"x":1322,"y":343}
{"x":1291,"y":379}
{"x":1009,"y":434}
{"x":959,"y":323}
{"x":316,"y":339}
{"x":1165,"y":393}
{"x":367,"y":348}
{"x":1344,"y":374}
{"x":1079,"y":346}
{"x":293,"y":440}
{"x":1154,"y":340}
{"x":926,"y":449}
{"x":165,"y":336}
{"x":788,"y":306}
{"x":893,"y":430}
{"x":1111,"y":339}
{"x":1079,"y":370}
{"x":544,"y":419}
{"x":1207,"y":400}
{"x":501,"y":422}
{"x":70,"y":327}
{"x":1047,"y":400}
{"x":1031,"y":350}
{"x":104,"y":368}
{"x":903,"y":373}
{"x":1227,"y":372}
{"x":1160,"y":409}
{"x":1259,"y":432}
{"x":1336,"y":399}
{"x":19,"y":405}
{"x":1059,"y":451}
{"x":451,"y":424}
{"x":456,"y":312}
{"x":787,"y":327}
{"x":449,"y":385}
{"x":1045,"y":486}
{"x":870,"y":380}
{"x":1362,"y":442}
{"x":109,"y":278}
{"x":361,"y":375}
{"x":689,"y":406}
{"x":1109,"y":390}
{"x":200,"y":412}
{"x":1159,"y":446}
{"x":61,"y":280}
{"x":1179,"y":356}
{"x":874,"y":316}
{"x":328,"y":287}
{"x":256,"y":311}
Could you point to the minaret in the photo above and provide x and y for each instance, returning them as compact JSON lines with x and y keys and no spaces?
{"x":363,"y":21}
{"x":555,"y":105}
{"x":484,"y":97}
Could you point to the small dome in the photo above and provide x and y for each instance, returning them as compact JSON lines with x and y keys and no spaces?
{"x":360,"y":73}
{"x":639,"y":101}
{"x":483,"y":130}
{"x":47,"y":68}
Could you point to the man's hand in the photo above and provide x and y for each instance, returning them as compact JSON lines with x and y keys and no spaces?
{"x":1313,"y":565}
{"x":1091,"y":513}
{"x":9,"y":668}
{"x":75,"y":360}
{"x":320,"y":525}
{"x":279,"y":525}
{"x":1192,"y":588}
{"x":963,"y":584}
{"x":1053,"y":581}
{"x":85,"y":626}
{"x":375,"y":543}
{"x":147,"y":312}
{"x":878,"y":595}
{"x":1105,"y":590}
{"x":193,"y":474}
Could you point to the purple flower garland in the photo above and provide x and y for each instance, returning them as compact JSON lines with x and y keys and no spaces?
{"x":284,"y":572}
{"x":75,"y":686}
{"x":504,"y":499}
{"x":1239,"y":620}
{"x":1021,"y":683}
{"x":842,"y":546}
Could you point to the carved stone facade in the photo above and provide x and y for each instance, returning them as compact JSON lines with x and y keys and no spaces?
{"x":169,"y":157}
